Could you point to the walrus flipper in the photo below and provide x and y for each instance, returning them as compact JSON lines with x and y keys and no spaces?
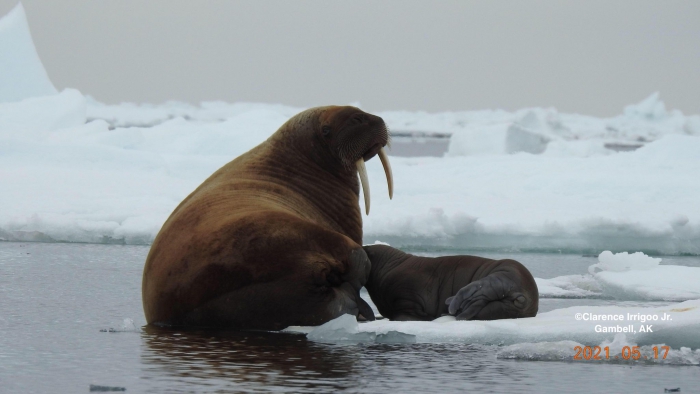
{"x":495,"y":296}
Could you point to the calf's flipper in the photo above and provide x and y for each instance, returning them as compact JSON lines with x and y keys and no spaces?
{"x":495,"y":296}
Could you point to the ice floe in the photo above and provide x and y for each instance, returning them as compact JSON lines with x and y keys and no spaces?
{"x":628,"y":277}
{"x":67,"y":180}
{"x":577,"y":324}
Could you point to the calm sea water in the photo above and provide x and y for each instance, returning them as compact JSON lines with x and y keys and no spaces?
{"x":58,"y":302}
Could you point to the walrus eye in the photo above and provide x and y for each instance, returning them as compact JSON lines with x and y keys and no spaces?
{"x":326,"y":130}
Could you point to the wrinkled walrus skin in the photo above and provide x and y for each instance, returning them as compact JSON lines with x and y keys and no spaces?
{"x":408,"y":287}
{"x":274,"y":237}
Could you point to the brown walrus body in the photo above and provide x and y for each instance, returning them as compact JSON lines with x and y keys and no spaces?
{"x":408,"y":287}
{"x":273,"y":238}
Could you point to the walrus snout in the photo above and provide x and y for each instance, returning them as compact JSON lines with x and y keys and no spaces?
{"x":371,"y":152}
{"x":350,"y":302}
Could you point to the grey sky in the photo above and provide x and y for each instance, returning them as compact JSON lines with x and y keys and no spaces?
{"x":591,"y":57}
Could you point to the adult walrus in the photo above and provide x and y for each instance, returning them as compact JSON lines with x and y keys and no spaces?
{"x":274,"y":237}
{"x":408,"y":287}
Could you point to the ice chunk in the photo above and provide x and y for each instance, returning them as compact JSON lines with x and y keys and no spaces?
{"x":619,"y":262}
{"x":650,"y":108}
{"x":520,"y":139}
{"x":395,"y":337}
{"x":346,"y":329}
{"x":22,"y":75}
{"x":640,"y":277}
{"x":128,"y":325}
{"x":628,"y":277}
{"x":665,"y":282}
{"x":341,"y":329}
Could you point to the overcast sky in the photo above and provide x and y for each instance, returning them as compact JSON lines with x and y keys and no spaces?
{"x":591,"y":57}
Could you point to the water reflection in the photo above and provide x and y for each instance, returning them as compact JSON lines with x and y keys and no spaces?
{"x":252,"y":361}
{"x":234,"y":359}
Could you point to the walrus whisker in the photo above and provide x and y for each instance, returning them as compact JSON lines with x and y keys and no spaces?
{"x":362,"y":170}
{"x":387,"y":170}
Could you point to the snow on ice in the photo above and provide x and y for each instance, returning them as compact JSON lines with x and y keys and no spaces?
{"x":73,"y":169}
{"x":68,"y":180}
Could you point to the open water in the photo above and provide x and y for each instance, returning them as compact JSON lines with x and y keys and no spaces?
{"x":58,"y":303}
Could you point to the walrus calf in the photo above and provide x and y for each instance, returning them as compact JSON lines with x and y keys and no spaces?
{"x":408,"y":287}
{"x":274,"y":237}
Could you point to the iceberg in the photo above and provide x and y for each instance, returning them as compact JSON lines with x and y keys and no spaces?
{"x":22,"y":75}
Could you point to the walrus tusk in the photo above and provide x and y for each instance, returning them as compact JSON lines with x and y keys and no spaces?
{"x":387,"y":170}
{"x":362,"y":170}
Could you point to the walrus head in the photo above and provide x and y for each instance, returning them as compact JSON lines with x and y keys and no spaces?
{"x":352,"y":137}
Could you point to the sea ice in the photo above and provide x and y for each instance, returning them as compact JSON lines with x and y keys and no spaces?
{"x":538,"y":130}
{"x":73,"y":169}
{"x":22,"y":74}
{"x":68,"y":181}
{"x":663,"y":283}
{"x":395,"y":337}
{"x":346,"y":329}
{"x":342,"y":329}
{"x":627,"y":277}
{"x":33,"y":119}
{"x":640,"y":277}
{"x":552,"y":335}
{"x":620,"y":262}
{"x":554,"y":326}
